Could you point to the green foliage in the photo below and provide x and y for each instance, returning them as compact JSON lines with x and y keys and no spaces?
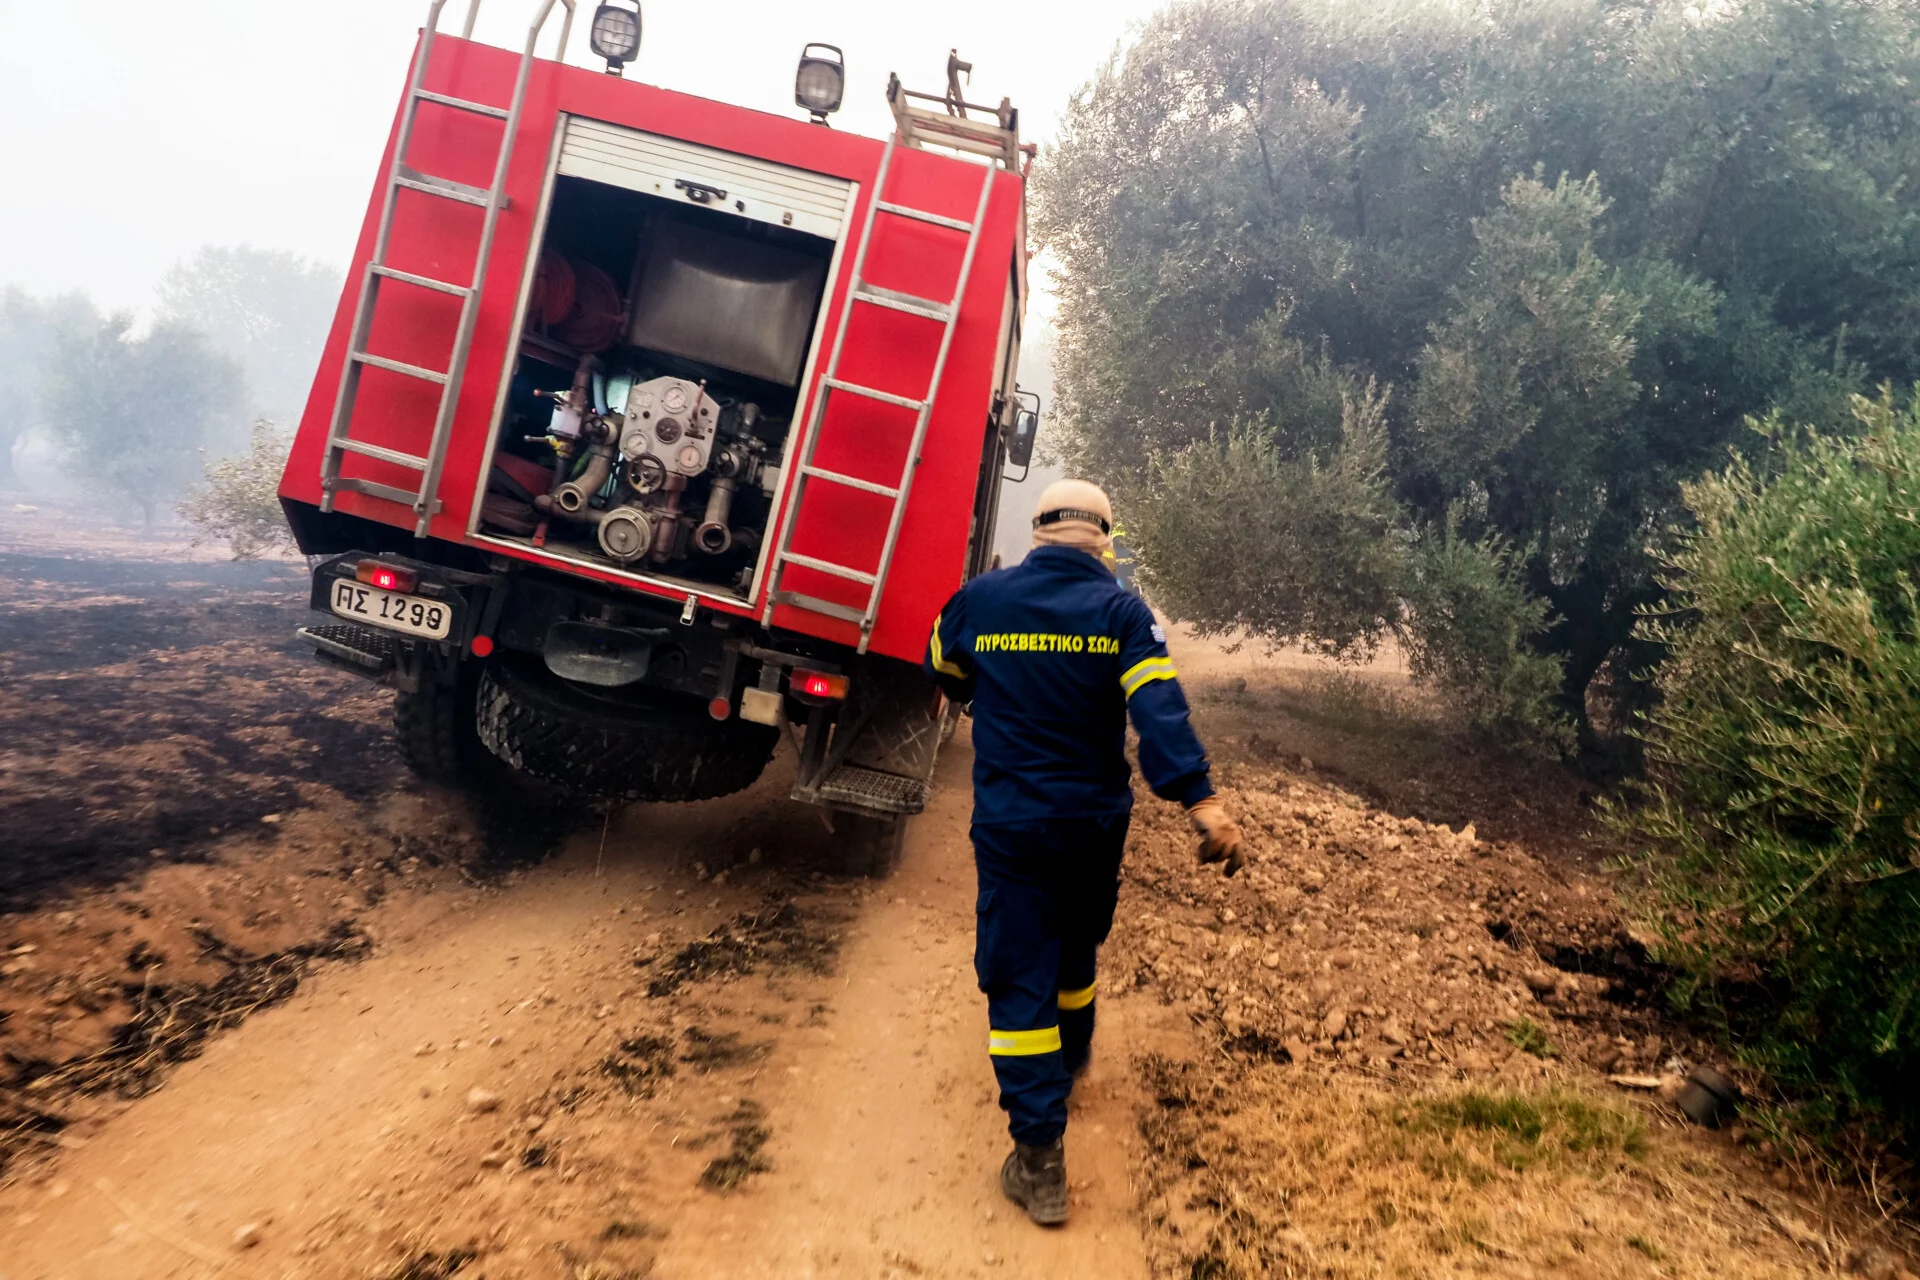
{"x":1466,"y":633}
{"x":1782,"y":832}
{"x":1231,"y":536}
{"x":1536,"y":357}
{"x":240,"y":504}
{"x":1529,"y":1036}
{"x":1234,"y":537}
{"x":1573,"y":242}
{"x":132,"y":414}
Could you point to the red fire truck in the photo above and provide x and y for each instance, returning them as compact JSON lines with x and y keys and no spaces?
{"x":650,"y":428}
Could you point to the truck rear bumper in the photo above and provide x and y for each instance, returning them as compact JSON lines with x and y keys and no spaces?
{"x":462,"y":607}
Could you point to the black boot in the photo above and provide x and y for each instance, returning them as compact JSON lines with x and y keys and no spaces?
{"x":1035,"y":1178}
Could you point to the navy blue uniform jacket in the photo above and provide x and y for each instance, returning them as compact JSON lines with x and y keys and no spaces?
{"x":1055,"y":656}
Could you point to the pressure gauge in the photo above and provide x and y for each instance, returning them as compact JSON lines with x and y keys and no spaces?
{"x":674,"y":399}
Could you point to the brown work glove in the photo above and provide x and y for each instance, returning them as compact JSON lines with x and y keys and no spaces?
{"x":1220,"y":838}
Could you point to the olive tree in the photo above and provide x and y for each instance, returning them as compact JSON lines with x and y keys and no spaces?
{"x":1571,"y":244}
{"x":133,"y":413}
{"x":1781,"y":832}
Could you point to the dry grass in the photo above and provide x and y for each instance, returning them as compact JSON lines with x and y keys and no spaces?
{"x":1281,"y":1172}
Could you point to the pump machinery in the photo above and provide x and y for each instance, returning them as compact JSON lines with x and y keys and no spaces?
{"x":650,"y":428}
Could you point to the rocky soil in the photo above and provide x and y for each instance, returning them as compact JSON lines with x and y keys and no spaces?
{"x":1428,"y":1054}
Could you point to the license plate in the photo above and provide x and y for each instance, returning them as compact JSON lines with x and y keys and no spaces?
{"x":412,"y":615}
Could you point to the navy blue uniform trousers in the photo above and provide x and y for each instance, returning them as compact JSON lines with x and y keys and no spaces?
{"x":1047,"y":894}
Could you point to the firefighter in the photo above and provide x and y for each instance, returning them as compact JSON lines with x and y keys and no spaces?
{"x":1056,"y":656}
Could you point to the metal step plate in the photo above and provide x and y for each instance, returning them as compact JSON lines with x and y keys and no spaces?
{"x":361,"y":646}
{"x":872,"y":789}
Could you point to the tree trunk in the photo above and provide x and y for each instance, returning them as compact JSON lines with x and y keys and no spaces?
{"x":1587,"y":630}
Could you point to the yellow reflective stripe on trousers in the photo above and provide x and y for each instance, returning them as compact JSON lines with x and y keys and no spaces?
{"x":940,"y":662}
{"x":1145,"y":673}
{"x":1078,"y":998}
{"x":1021,"y":1044}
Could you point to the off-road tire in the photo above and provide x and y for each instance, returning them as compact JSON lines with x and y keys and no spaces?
{"x":434,"y":730}
{"x":615,"y":745}
{"x":866,"y":845}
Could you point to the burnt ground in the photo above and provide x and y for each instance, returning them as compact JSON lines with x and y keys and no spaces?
{"x":193,"y":811}
{"x":153,"y":707}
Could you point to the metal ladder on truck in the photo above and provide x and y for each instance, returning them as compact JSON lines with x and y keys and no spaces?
{"x":914,"y":125}
{"x":425,"y":500}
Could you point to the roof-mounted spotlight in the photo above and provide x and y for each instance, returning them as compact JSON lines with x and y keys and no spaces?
{"x":616,"y":34}
{"x":821,"y":81}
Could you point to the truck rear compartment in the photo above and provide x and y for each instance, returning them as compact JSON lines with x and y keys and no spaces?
{"x":687,"y":324}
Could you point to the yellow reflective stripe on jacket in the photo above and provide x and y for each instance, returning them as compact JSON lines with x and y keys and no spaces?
{"x":1022,"y":1044}
{"x":1145,"y":673}
{"x":1079,"y":998}
{"x":940,"y":662}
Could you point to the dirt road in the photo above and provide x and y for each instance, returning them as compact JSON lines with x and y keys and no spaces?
{"x":386,"y":1035}
{"x":854,"y":1102}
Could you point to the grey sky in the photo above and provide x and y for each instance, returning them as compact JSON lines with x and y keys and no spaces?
{"x":138,"y":130}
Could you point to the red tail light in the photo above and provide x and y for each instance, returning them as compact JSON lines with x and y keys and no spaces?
{"x":387,"y":577}
{"x":818,"y":684}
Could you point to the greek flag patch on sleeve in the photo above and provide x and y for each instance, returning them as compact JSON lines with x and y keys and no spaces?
{"x":1159,"y":633}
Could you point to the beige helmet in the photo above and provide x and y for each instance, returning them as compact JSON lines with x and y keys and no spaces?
{"x":1074,"y":513}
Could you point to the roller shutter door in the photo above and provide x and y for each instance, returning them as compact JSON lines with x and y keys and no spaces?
{"x":686,"y":171}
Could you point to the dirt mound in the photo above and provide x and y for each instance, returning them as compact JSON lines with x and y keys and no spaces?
{"x":1384,"y":943}
{"x":1410,"y":1029}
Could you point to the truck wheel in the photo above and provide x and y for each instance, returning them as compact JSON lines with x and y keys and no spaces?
{"x":866,"y":845}
{"x":434,"y":731}
{"x":621,"y":747}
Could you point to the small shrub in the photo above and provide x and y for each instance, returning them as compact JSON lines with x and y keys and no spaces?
{"x":1231,"y":534}
{"x":240,"y":503}
{"x":1234,"y":535}
{"x":1781,"y":835}
{"x":1467,"y":630}
{"x":1528,"y":1036}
